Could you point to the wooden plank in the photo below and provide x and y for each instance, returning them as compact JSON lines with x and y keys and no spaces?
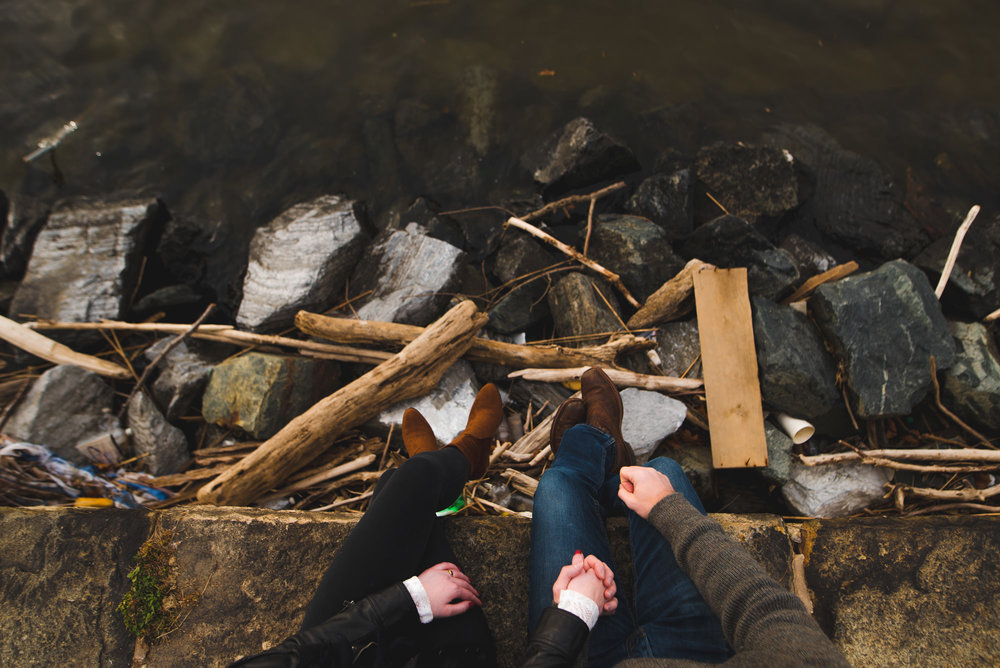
{"x":729,"y":368}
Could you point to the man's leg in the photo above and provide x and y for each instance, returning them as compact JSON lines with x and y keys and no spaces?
{"x":567,"y":517}
{"x":676,"y":620}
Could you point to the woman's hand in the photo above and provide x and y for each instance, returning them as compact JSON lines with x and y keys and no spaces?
{"x":642,"y":488}
{"x":591,"y":577}
{"x":449,"y":590}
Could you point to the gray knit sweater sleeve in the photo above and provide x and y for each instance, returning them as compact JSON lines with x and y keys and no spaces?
{"x":764,"y":624}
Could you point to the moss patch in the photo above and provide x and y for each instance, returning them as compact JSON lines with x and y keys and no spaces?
{"x":152,"y":605}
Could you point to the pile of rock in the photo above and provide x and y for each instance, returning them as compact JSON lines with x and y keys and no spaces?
{"x":867,"y":338}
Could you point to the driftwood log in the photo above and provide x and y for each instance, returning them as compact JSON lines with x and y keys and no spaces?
{"x":365,"y":332}
{"x":672,"y":300}
{"x":412,"y":372}
{"x":620,"y":378}
{"x":42,"y":346}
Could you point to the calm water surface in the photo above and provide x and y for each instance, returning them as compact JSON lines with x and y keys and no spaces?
{"x":232,"y":110}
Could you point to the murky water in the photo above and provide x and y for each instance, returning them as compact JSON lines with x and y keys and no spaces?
{"x":232,"y":110}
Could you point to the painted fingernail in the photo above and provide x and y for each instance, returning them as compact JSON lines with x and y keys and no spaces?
{"x":577,"y":552}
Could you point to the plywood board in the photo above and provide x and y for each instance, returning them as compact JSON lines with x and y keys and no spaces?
{"x":729,"y":368}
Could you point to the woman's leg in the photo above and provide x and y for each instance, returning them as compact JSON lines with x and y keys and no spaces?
{"x":391,"y":539}
{"x":569,"y":516}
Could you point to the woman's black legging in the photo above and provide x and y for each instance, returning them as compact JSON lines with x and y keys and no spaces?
{"x":399,"y":537}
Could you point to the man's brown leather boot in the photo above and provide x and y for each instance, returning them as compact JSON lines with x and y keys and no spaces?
{"x":604,"y":411}
{"x":417,"y":434}
{"x":571,"y":413}
{"x":476,"y":440}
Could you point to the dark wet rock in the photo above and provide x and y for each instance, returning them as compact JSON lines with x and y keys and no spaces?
{"x":578,"y":311}
{"x":182,"y":375}
{"x":696,"y":461}
{"x":65,"y":406}
{"x":679,"y":348}
{"x":636,"y":249}
{"x":22,"y":219}
{"x":410,"y":275}
{"x":973,"y":289}
{"x":797,"y":374}
{"x":779,"y":455}
{"x":883,"y":326}
{"x":516,"y":264}
{"x":855,"y":203}
{"x":162,"y":446}
{"x":300,"y":260}
{"x":651,"y":418}
{"x":756,"y":183}
{"x":172,"y":300}
{"x":425,"y":137}
{"x":834,"y":490}
{"x":971,"y":387}
{"x":86,"y":259}
{"x":578,"y":155}
{"x":729,"y":242}
{"x":446,"y":407}
{"x":809,"y":258}
{"x":666,"y":200}
{"x":259,"y":393}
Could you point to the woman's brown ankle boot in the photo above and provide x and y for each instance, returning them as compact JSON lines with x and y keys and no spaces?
{"x":476,"y":440}
{"x":417,"y":434}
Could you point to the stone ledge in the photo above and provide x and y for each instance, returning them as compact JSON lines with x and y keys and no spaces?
{"x":63,"y":571}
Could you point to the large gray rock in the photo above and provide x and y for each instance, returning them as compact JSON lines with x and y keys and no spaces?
{"x":578,"y":155}
{"x":884,"y":326}
{"x":409,"y":274}
{"x":86,"y":260}
{"x":666,"y":200}
{"x":162,"y":446}
{"x":260,"y":393}
{"x":516,"y":261}
{"x":300,"y":260}
{"x":446,"y":407}
{"x":834,"y":490}
{"x":66,"y":406}
{"x":729,"y":241}
{"x":972,"y":386}
{"x":651,"y":417}
{"x":809,"y":258}
{"x":797,"y":374}
{"x":679,"y":348}
{"x":755,"y":183}
{"x":636,"y":249}
{"x":182,"y":377}
{"x":973,"y":285}
{"x":779,"y":455}
{"x":579,"y":312}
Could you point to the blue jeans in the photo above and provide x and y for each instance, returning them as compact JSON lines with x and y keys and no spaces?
{"x":668,"y":617}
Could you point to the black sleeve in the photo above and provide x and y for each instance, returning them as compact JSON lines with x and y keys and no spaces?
{"x":333,"y":643}
{"x":557,"y":640}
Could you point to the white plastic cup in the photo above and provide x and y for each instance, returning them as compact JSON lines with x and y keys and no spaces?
{"x":800,"y":431}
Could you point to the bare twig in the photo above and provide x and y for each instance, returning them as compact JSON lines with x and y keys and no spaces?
{"x":807,"y":288}
{"x":176,"y":341}
{"x":915,"y":454}
{"x":590,"y":226}
{"x":970,"y":494}
{"x":573,"y":199}
{"x":620,"y":378}
{"x":344,"y":502}
{"x":937,"y":400}
{"x":956,"y":245}
{"x":42,"y":346}
{"x":991,"y":510}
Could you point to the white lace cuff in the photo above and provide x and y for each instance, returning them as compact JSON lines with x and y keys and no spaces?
{"x":580,"y":605}
{"x":420,"y":599}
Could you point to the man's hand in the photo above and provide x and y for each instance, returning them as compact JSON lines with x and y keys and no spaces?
{"x":642,"y":488}
{"x":449,"y":590}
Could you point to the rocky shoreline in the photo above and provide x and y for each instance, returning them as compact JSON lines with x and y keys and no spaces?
{"x":854,"y":359}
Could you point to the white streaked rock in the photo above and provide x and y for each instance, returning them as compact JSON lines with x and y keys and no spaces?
{"x":649,"y":418}
{"x":300,"y":260}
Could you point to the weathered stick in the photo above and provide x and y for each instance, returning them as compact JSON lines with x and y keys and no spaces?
{"x":573,"y":199}
{"x":807,"y":288}
{"x":916,"y":454}
{"x":227,"y":334}
{"x":42,"y":346}
{"x":937,"y":400}
{"x":367,"y":332}
{"x":612,"y":277}
{"x":412,"y":372}
{"x":522,"y":482}
{"x":344,"y":502}
{"x":951,"y":494}
{"x":620,"y":378}
{"x":956,"y":245}
{"x":672,"y":300}
{"x":992,"y":316}
{"x":330,"y":474}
